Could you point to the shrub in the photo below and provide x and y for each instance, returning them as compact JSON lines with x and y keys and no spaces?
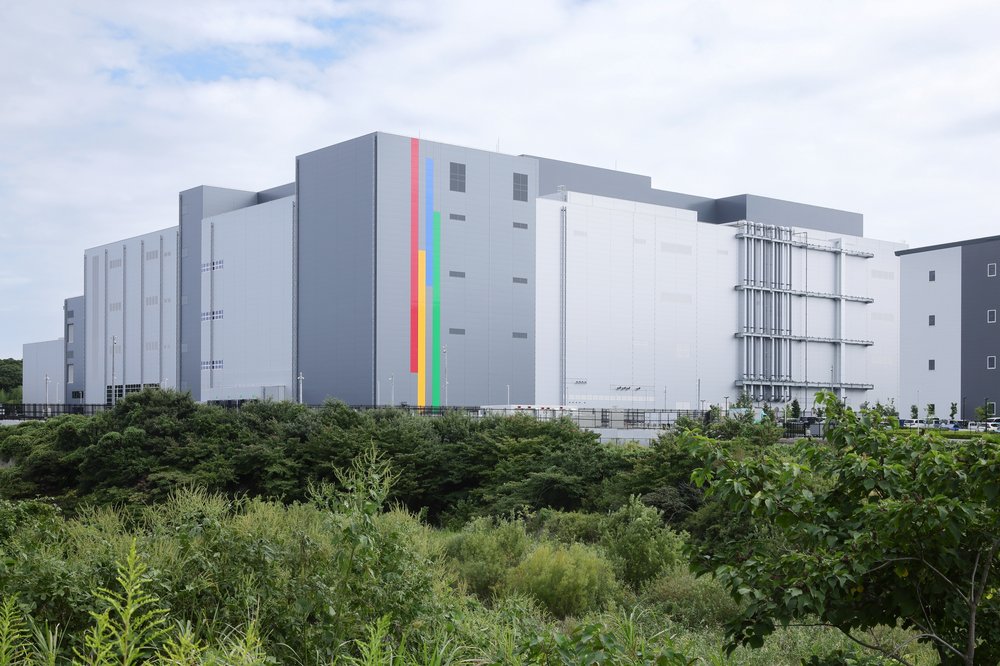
{"x":638,"y":544}
{"x":484,"y":552}
{"x":694,"y":602}
{"x":567,"y":580}
{"x":597,"y":643}
{"x":569,"y":526}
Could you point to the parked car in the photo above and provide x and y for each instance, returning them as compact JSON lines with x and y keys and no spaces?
{"x":993,"y":424}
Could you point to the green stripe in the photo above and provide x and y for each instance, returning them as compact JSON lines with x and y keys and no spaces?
{"x":436,"y":315}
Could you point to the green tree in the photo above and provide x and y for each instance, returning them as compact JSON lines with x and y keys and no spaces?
{"x":953,"y":411}
{"x":914,"y":412}
{"x":866,"y":529}
{"x":10,"y":373}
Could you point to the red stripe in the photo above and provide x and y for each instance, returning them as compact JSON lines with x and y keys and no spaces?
{"x":414,"y":246}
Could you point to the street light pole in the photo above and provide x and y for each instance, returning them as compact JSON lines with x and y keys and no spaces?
{"x":114,"y":352}
{"x":444,"y":352}
{"x":301,"y":378}
{"x":392,"y":390}
{"x":46,"y":390}
{"x":508,"y":397}
{"x":727,"y":405}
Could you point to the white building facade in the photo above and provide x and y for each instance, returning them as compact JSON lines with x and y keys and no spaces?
{"x":130,"y":294}
{"x":43,"y":372}
{"x":643,"y":306}
{"x":396,"y":269}
{"x":247,"y":303}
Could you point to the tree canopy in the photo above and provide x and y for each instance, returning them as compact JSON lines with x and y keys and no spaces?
{"x":868,"y":528}
{"x":10,"y":373}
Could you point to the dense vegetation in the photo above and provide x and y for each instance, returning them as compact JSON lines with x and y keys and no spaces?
{"x":185,"y":534}
{"x":10,"y":380}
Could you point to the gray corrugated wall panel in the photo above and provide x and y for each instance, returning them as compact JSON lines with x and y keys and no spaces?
{"x":729,"y":209}
{"x":336,"y":272}
{"x":194,"y":205}
{"x":610,"y":183}
{"x":75,"y":351}
{"x":485,"y":247}
{"x":273,"y":193}
{"x":791,"y":214}
{"x":979,"y":339}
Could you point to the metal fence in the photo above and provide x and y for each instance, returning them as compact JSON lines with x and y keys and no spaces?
{"x":596,"y":418}
{"x":29,"y":412}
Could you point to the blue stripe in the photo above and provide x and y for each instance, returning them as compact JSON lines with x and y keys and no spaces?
{"x":429,"y":218}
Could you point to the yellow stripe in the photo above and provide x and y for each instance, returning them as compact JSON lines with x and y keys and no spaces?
{"x":422,"y":328}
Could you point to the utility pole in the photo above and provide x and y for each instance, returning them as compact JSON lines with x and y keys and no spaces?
{"x":444,"y":352}
{"x":114,"y":352}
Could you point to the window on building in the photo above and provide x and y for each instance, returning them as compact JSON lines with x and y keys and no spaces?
{"x":77,"y":395}
{"x":931,"y":276}
{"x":991,"y":316}
{"x":520,"y":335}
{"x":520,"y":225}
{"x":930,"y":364}
{"x":520,"y":187}
{"x":69,"y":333}
{"x":457,"y":177}
{"x":930,"y":320}
{"x":991,"y":362}
{"x":456,"y":274}
{"x":520,"y":280}
{"x":457,"y":216}
{"x":991,"y":270}
{"x":991,"y":408}
{"x":70,"y":374}
{"x":456,"y":331}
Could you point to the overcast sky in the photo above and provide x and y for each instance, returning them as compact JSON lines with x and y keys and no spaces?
{"x":109,"y":108}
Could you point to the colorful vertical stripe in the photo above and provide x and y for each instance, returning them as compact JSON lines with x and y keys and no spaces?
{"x":414,"y":248}
{"x":429,"y":249}
{"x":422,"y":332}
{"x":425,"y":282}
{"x":436,"y":314}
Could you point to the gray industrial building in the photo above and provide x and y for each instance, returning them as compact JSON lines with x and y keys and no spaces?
{"x":399,"y":270}
{"x":949,"y":301}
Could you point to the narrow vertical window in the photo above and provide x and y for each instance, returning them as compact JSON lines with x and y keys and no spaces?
{"x":991,"y":270}
{"x":520,"y":187}
{"x":991,"y":316}
{"x":931,"y":276}
{"x":930,"y":364}
{"x":457,"y":177}
{"x":991,"y":362}
{"x":930,"y":320}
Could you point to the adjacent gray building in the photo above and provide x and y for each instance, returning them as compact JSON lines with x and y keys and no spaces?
{"x":74,"y":333}
{"x":950,"y":337}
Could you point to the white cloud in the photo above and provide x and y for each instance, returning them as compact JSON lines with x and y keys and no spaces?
{"x":110,"y":108}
